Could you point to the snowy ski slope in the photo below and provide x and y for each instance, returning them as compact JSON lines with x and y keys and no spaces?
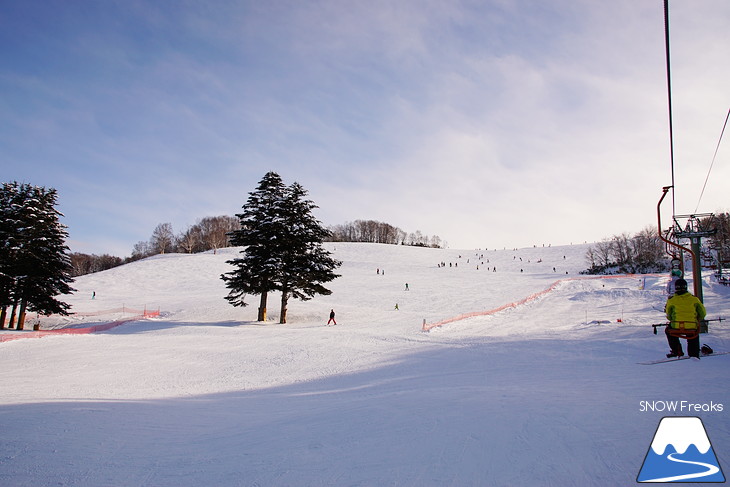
{"x":512,"y":392}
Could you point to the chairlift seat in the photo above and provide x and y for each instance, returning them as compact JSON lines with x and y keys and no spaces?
{"x":684,"y":329}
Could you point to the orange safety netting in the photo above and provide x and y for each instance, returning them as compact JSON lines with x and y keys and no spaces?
{"x":6,"y":337}
{"x":531,"y":297}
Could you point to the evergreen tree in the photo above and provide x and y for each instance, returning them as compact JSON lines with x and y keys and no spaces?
{"x":34,"y":261}
{"x":49,"y":263}
{"x":261,"y":232}
{"x":10,"y":228}
{"x":282,"y":247}
{"x":306,"y":265}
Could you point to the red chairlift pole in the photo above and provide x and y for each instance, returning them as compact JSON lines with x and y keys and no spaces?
{"x":697,"y":283}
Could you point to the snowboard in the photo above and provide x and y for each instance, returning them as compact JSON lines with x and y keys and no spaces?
{"x":684,"y":357}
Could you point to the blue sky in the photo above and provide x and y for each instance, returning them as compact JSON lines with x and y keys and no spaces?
{"x":488,"y":123}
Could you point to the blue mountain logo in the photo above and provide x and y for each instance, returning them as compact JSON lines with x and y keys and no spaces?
{"x":681,"y":452}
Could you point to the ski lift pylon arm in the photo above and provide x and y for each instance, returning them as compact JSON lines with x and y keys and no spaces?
{"x":665,"y":190}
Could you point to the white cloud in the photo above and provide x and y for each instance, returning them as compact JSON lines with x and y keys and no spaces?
{"x":497,"y":124}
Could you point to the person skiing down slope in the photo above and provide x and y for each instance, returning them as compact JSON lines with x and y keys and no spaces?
{"x":332,"y":317}
{"x":685,"y":309}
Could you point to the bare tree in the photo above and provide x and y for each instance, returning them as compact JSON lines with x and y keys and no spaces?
{"x":591,"y":257}
{"x":647,"y":247}
{"x":621,"y":247}
{"x":720,"y":241}
{"x":163,"y":239}
{"x":603,"y":252}
{"x":215,"y":231}
{"x":191,"y":240}
{"x":141,"y":250}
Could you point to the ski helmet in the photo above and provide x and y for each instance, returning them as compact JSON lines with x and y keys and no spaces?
{"x":680,"y":286}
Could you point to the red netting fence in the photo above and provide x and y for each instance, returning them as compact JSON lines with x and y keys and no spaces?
{"x":136,"y":316}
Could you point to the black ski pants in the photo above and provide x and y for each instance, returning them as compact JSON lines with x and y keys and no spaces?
{"x":693,"y":345}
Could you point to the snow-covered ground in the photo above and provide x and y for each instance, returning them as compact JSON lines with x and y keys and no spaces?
{"x":546,"y":392}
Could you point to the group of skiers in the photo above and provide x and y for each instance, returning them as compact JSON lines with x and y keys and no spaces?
{"x":480,"y":262}
{"x":684,"y":311}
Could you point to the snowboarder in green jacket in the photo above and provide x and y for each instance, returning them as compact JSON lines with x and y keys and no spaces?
{"x":683,"y":310}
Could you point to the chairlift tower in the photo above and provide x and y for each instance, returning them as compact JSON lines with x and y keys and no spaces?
{"x":693,"y":230}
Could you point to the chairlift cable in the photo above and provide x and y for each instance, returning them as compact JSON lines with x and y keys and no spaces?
{"x":669,"y":97}
{"x":713,"y":160}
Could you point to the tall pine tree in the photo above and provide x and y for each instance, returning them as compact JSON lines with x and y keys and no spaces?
{"x":282,"y":247}
{"x":34,"y":262}
{"x":10,"y":227}
{"x":262,"y":226}
{"x":306,"y":265}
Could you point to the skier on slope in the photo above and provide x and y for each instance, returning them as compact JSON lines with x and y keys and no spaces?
{"x":332,"y":317}
{"x":685,"y":309}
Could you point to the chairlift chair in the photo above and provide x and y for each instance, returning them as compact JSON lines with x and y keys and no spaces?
{"x":685,"y":329}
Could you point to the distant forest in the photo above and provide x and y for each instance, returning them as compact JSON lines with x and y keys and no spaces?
{"x":213,"y":232}
{"x":209,"y":233}
{"x":642,"y":252}
{"x":372,"y":231}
